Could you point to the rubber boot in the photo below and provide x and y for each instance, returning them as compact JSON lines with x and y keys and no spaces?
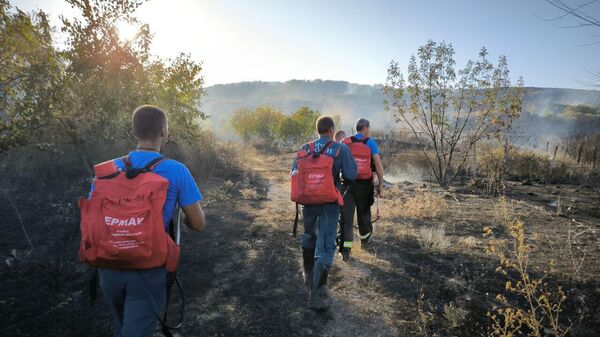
{"x":345,"y":252}
{"x":364,"y":244}
{"x":318,"y":293}
{"x":308,"y":260}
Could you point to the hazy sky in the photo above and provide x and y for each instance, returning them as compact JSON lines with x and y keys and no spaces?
{"x":242,"y":40}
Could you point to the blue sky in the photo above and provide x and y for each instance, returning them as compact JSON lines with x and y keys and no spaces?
{"x":355,"y":40}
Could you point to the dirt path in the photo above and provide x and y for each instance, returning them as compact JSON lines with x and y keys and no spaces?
{"x":246,"y":269}
{"x":243,"y":274}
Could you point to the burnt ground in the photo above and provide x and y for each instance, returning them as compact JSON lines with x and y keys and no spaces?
{"x":242,"y":275}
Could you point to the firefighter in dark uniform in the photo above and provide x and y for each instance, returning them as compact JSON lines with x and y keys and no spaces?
{"x":359,"y":196}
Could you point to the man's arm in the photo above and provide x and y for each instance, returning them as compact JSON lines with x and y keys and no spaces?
{"x":194,"y":216}
{"x":379,"y":171}
{"x":190,"y":196}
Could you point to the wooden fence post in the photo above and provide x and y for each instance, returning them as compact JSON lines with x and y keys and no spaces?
{"x":594,"y":158}
{"x":555,"y":150}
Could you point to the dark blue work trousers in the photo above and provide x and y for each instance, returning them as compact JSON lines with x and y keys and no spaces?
{"x":320,"y":230}
{"x":135,"y":297}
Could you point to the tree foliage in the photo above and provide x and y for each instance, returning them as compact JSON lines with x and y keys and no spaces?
{"x":83,"y":94}
{"x":272,"y":126}
{"x":448,"y":109}
{"x":30,"y":74}
{"x":299,"y":126}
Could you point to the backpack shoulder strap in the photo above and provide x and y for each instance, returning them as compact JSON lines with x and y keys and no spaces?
{"x":364,"y":140}
{"x":127,"y":162}
{"x":311,"y":147}
{"x":152,"y":164}
{"x":323,"y":149}
{"x":134,"y":172}
{"x":302,"y":152}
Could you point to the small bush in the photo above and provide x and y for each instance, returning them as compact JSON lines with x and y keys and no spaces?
{"x":528,"y":164}
{"x":433,"y":238}
{"x":228,"y":187}
{"x":469,"y":242}
{"x":538,"y":305}
{"x":454,"y":315}
{"x":250,"y":194}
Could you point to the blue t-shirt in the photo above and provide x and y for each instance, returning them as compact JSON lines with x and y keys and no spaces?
{"x":371,"y":143}
{"x":343,"y":162}
{"x":182,"y":187}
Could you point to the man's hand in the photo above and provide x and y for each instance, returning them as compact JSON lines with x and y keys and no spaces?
{"x":379,"y":171}
{"x":380,"y":189}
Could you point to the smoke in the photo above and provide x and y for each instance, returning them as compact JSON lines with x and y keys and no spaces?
{"x":541,"y":120}
{"x":410,"y":173}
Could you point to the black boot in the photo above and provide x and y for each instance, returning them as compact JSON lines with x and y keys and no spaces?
{"x":364,"y":243}
{"x":308,"y":257}
{"x":318,"y":293}
{"x":345,"y":253}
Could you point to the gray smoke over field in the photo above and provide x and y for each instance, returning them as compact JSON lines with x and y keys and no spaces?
{"x":542,"y":119}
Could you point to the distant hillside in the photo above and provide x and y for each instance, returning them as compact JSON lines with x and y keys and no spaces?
{"x":330,"y":97}
{"x":351,"y":101}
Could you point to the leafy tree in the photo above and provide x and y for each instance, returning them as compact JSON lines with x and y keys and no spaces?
{"x":306,"y":118}
{"x":266,"y":124}
{"x":262,"y":123}
{"x":30,"y":75}
{"x":178,"y":88}
{"x":272,"y":126}
{"x":242,"y":122}
{"x":299,"y":126}
{"x":82,"y":96}
{"x":449,"y":110}
{"x":290,"y":130}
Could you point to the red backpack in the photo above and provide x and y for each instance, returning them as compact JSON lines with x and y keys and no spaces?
{"x":122,"y":221}
{"x":312,"y":182}
{"x":362,"y":155}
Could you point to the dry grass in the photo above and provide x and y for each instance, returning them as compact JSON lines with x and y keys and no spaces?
{"x":541,"y":304}
{"x":250,"y":194}
{"x":470,"y":242}
{"x":422,"y":205}
{"x":528,"y":164}
{"x":433,"y":238}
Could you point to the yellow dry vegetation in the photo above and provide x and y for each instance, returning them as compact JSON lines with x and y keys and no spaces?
{"x":422,"y":204}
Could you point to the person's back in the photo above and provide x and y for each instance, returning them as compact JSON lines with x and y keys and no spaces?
{"x":320,"y":220}
{"x":359,"y":196}
{"x":137,"y":297}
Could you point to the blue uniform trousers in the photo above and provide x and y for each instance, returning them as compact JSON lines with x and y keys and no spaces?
{"x":135,"y":297}
{"x":320,"y":229}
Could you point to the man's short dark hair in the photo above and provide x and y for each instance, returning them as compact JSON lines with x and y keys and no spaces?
{"x":361,"y":124}
{"x":339,"y":133}
{"x":324,"y":124}
{"x":147,"y":121}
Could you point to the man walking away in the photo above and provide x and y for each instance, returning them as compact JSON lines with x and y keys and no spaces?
{"x":360,"y":195}
{"x":318,"y":166}
{"x":137,"y":296}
